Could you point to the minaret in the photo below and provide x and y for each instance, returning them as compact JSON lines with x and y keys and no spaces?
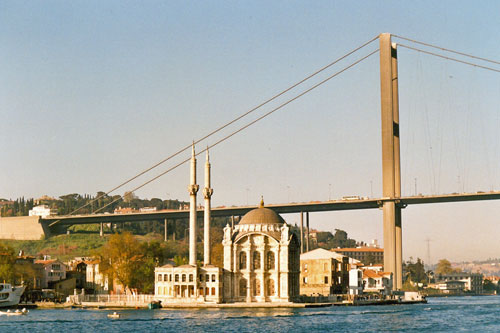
{"x":207,"y":192}
{"x":193,"y":189}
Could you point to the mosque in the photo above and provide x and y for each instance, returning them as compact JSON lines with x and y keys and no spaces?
{"x":261,"y":259}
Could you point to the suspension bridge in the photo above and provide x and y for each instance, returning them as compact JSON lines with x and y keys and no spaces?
{"x":391,"y":202}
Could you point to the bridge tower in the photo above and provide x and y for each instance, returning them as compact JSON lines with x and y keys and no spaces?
{"x":391,"y":166}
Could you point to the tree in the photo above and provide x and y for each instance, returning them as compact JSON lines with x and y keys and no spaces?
{"x":7,"y":262}
{"x":121,"y":258}
{"x":415,"y":271}
{"x":444,"y":267}
{"x":154,"y":255}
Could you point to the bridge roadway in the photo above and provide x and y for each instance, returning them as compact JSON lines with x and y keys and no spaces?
{"x":313,"y":206}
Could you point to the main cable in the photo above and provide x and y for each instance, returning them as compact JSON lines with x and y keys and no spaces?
{"x":227,"y":124}
{"x":449,"y":58}
{"x":244,"y":127}
{"x":448,"y":50}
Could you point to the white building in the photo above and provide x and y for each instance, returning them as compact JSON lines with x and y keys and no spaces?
{"x":42,"y":210}
{"x":263,"y":256}
{"x":379,"y":282}
{"x":355,"y":281}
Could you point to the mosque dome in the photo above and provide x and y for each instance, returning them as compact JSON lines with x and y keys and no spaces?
{"x":261,"y":215}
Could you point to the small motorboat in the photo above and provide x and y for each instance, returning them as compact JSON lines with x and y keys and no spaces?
{"x":114,"y":315}
{"x":154,"y":305}
{"x":14,"y":313}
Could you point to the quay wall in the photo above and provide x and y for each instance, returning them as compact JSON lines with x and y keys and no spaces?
{"x":21,"y":228}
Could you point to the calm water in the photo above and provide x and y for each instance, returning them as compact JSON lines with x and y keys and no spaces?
{"x":478,"y":314}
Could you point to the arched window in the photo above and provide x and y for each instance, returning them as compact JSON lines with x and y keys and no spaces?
{"x":183,"y":277}
{"x":270,"y":287}
{"x":176,"y":277}
{"x":243,"y":287}
{"x":213,"y":291}
{"x":243,"y":260}
{"x":190,"y":277}
{"x":213,"y":277}
{"x":256,"y":260}
{"x":270,"y":260}
{"x":159,"y":277}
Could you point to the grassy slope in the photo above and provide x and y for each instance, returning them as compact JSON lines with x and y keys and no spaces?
{"x":63,"y":247}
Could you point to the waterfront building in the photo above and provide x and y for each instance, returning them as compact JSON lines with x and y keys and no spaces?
{"x":355,"y":281}
{"x":95,"y":281}
{"x":261,"y":259}
{"x":52,"y":270}
{"x":473,"y":281}
{"x":323,"y":273}
{"x":377,"y":282}
{"x":450,"y":287}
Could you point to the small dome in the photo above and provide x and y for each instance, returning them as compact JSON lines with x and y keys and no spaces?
{"x":261,"y":216}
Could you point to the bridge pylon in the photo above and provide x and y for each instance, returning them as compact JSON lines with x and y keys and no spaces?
{"x":391,"y":165}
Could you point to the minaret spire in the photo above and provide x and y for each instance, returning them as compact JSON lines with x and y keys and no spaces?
{"x":207,"y":193}
{"x":193,"y":190}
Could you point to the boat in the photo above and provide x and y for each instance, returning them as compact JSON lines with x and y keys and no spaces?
{"x":14,"y":313}
{"x":10,"y":295}
{"x":154,"y":305}
{"x":114,"y":315}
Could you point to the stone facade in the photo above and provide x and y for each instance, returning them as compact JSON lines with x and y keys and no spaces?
{"x":263,"y":256}
{"x":323,"y":273}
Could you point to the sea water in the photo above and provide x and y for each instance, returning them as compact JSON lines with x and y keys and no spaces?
{"x":472,"y":314}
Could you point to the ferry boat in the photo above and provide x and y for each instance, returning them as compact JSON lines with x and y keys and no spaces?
{"x":10,"y":295}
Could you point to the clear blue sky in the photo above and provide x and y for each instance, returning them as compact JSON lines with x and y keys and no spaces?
{"x":92,"y":92}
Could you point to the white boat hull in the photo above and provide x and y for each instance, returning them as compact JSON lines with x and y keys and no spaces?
{"x":14,"y":297}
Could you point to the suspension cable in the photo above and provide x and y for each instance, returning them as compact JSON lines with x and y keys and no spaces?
{"x":244,"y":127}
{"x":449,"y":58}
{"x":227,"y":124}
{"x":448,"y":50}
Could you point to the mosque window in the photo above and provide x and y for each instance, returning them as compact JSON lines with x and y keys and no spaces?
{"x":243,"y":260}
{"x":256,"y":287}
{"x":270,"y":260}
{"x":256,"y":260}
{"x":270,"y":287}
{"x":243,"y":287}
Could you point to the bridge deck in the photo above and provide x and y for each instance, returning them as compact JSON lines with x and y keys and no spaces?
{"x":314,"y":206}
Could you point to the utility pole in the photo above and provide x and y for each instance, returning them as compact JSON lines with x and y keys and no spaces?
{"x":428,"y":251}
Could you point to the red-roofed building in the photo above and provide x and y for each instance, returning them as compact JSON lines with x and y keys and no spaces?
{"x":53,"y":270}
{"x":374,"y":281}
